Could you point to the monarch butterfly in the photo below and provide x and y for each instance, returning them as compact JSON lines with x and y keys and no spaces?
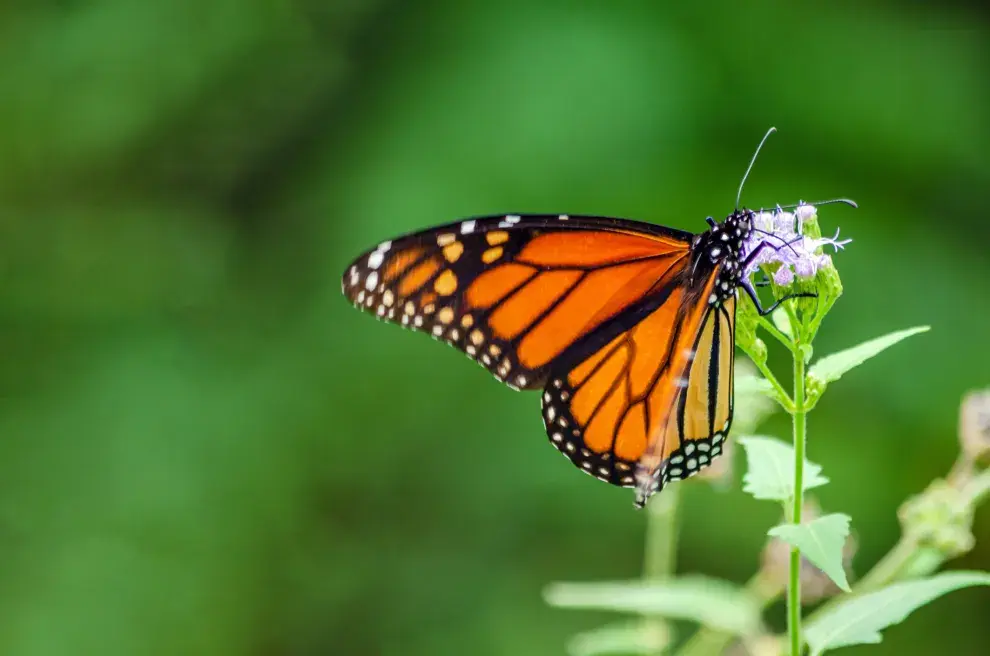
{"x":628,"y":328}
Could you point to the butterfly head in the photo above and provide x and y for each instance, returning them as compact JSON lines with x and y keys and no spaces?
{"x":721,"y":246}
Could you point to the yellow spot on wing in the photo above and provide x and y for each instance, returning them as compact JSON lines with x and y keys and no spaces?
{"x":491,"y":255}
{"x":446,"y":238}
{"x":453,"y":251}
{"x":496,"y":237}
{"x":446,"y":283}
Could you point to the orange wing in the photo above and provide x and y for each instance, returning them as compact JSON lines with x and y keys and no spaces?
{"x":655,"y":402}
{"x":516,"y":293}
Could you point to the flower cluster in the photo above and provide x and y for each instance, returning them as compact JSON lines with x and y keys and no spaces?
{"x":798,"y":253}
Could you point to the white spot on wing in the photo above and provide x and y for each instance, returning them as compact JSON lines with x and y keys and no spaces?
{"x":371,"y":281}
{"x":467,"y":227}
{"x":375,"y":259}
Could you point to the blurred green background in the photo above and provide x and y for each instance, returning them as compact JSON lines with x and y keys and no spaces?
{"x":205,"y":450}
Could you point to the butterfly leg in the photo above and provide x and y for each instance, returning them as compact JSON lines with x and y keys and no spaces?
{"x":751,"y":292}
{"x":751,"y":289}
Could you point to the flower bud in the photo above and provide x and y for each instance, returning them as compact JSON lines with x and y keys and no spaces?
{"x":974,"y":426}
{"x":939,"y":518}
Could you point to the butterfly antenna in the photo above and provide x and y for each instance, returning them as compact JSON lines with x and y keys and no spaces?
{"x":844,"y":201}
{"x":751,"y":162}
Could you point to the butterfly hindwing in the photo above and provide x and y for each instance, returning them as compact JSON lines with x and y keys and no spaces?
{"x":516,"y":292}
{"x":654,"y":402}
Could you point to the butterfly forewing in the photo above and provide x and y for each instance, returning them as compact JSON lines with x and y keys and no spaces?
{"x":515,"y":292}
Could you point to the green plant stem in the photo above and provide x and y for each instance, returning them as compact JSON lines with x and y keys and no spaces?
{"x":889,"y":567}
{"x":977,"y":490}
{"x":782,"y":397}
{"x":660,"y":557}
{"x":769,"y":326}
{"x":661,"y":535}
{"x":799,"y":417}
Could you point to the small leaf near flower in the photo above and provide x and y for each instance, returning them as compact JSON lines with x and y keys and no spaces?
{"x":781,"y":320}
{"x":832,"y":367}
{"x":770,"y":469}
{"x":821,"y":541}
{"x":859,"y":620}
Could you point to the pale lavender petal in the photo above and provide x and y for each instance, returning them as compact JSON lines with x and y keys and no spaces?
{"x":805,"y":267}
{"x":763,"y":221}
{"x":783,"y":224}
{"x":803,"y":213}
{"x":784,"y":276}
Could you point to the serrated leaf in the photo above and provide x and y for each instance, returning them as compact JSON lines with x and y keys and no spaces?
{"x":820,"y":541}
{"x":832,"y":367}
{"x":639,"y":637}
{"x":859,"y":620}
{"x":711,"y":602}
{"x":770,"y":469}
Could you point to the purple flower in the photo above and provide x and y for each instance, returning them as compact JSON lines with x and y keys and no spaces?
{"x":785,"y":243}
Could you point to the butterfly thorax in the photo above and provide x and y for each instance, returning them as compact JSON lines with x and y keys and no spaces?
{"x":721,"y":247}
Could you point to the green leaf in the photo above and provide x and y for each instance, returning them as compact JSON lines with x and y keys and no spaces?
{"x":782,"y":321}
{"x":820,"y":541}
{"x":859,"y":620}
{"x":832,"y":367}
{"x":770,"y":469}
{"x":750,"y":384}
{"x":627,"y":638}
{"x":711,"y":602}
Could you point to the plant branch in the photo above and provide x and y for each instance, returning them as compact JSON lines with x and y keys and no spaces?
{"x":782,"y":397}
{"x":660,"y":557}
{"x":769,"y":326}
{"x":909,"y":558}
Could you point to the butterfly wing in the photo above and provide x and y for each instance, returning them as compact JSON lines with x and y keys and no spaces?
{"x":654,"y":402}
{"x":516,"y":292}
